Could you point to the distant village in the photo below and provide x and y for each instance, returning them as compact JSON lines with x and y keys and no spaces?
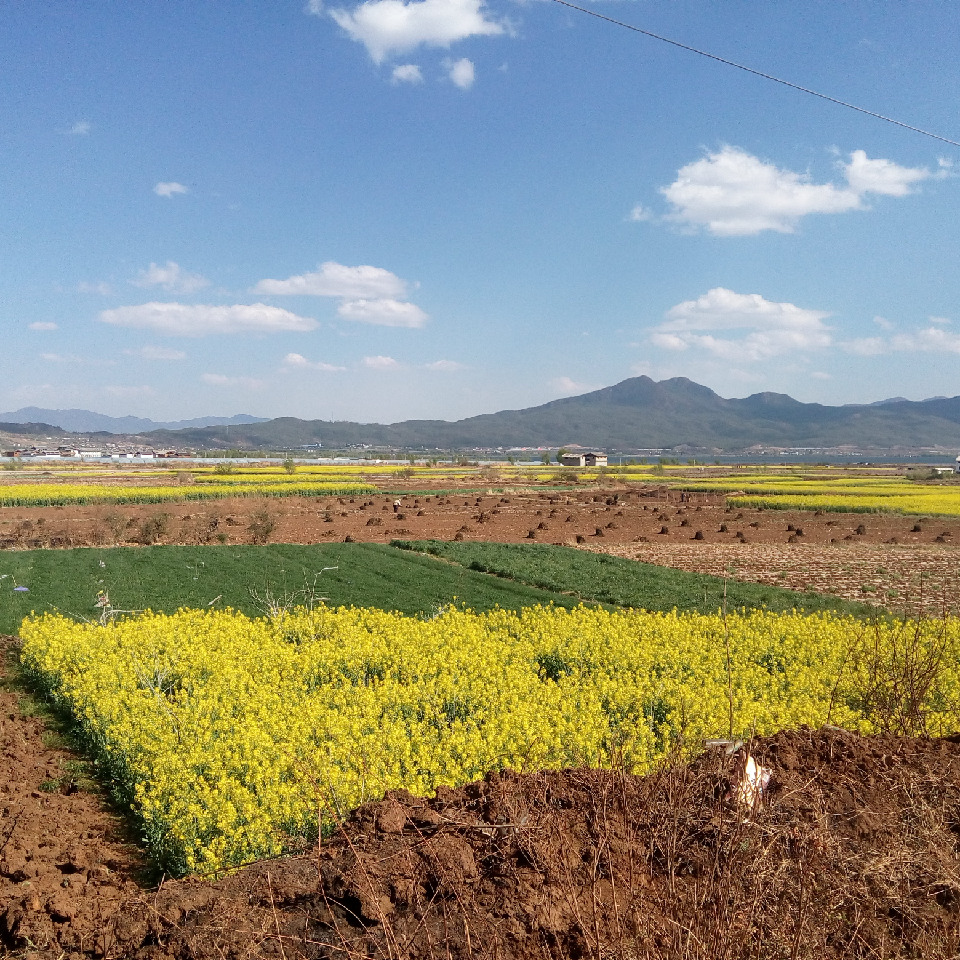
{"x":75,"y":453}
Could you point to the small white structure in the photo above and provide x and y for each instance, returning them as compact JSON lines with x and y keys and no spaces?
{"x":956,"y":468}
{"x":583,"y":459}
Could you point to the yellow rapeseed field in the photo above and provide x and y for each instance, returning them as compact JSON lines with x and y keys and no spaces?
{"x":233,"y":737}
{"x":55,"y":494}
{"x":857,"y":494}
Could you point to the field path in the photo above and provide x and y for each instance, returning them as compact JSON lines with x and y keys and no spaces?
{"x":65,"y":868}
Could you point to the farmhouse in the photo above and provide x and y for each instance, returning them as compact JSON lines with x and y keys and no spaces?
{"x":583,"y":459}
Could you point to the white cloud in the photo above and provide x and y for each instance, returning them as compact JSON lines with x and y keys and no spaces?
{"x":171,"y":277}
{"x":333,"y":279}
{"x":883,"y":323}
{"x":865,"y":346}
{"x":444,"y":366}
{"x":774,"y":329}
{"x":461,"y":72}
{"x":157,"y":353}
{"x":183,"y":320}
{"x":639,"y":215}
{"x":669,"y":341}
{"x":388,"y":27}
{"x":380,"y":363}
{"x":820,"y":375}
{"x":74,"y":360}
{"x":407,"y":73}
{"x":81,"y":128}
{"x":43,"y":325}
{"x":367,"y":294}
{"x":100,"y":287}
{"x":296,"y":361}
{"x":169,"y":189}
{"x":221,"y":380}
{"x":383,"y":312}
{"x":314,"y":8}
{"x":722,"y":309}
{"x":565,"y":385}
{"x":931,"y":340}
{"x":732,"y":193}
{"x":881,"y":176}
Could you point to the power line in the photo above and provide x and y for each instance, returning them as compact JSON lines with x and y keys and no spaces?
{"x":757,"y":73}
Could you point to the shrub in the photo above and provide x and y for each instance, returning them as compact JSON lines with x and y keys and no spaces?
{"x":261,"y":526}
{"x":153,"y":528}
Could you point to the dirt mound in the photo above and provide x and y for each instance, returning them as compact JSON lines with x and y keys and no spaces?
{"x":852,"y":852}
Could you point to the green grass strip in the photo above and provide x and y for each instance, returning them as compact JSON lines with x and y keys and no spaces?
{"x":600,"y":578}
{"x":246,"y":578}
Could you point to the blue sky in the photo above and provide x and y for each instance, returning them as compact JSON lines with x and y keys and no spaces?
{"x":440,"y":208}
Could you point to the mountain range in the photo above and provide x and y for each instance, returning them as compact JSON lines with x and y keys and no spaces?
{"x":85,"y":421}
{"x":635,"y":414}
{"x":638,"y":413}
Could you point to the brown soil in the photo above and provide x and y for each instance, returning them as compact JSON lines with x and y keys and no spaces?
{"x":605,"y":517}
{"x":65,"y":867}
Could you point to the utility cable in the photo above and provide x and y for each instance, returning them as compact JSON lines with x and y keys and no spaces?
{"x":757,"y":73}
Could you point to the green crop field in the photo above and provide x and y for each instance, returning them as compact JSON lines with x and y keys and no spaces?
{"x":600,"y":578}
{"x":245,"y":578}
{"x":418,"y":580}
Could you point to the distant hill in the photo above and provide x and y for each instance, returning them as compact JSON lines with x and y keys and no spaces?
{"x":28,"y":429}
{"x":85,"y":421}
{"x":638,"y":413}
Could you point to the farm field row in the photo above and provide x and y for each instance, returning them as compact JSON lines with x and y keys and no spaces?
{"x":62,"y":494}
{"x":236,"y":738}
{"x":815,"y":488}
{"x":93,"y":584}
{"x":842,"y":493}
{"x":620,"y":514}
{"x":603,"y":578}
{"x":930,"y":501}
